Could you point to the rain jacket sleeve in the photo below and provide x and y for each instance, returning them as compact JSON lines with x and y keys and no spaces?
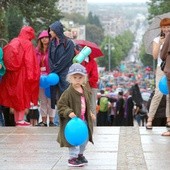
{"x":32,"y":73}
{"x":32,"y":67}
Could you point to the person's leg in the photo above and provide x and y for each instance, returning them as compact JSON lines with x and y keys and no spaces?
{"x":51,"y":112}
{"x":8,"y":117}
{"x":73,"y":157}
{"x":138,"y":119}
{"x":155,"y":100}
{"x":93,"y":101}
{"x":19,"y":118}
{"x":1,"y":119}
{"x":56,"y":118}
{"x":168,"y":104}
{"x":81,"y":157}
{"x":43,"y":107}
{"x":99,"y":119}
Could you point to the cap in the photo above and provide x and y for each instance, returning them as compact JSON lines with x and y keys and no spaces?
{"x":77,"y":68}
{"x":43,"y":34}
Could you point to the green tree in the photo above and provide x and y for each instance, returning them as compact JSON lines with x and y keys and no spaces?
{"x":146,"y":59}
{"x":93,"y":20}
{"x":122,"y":44}
{"x":94,"y":34}
{"x":39,"y":14}
{"x":157,"y":7}
{"x":75,"y":17}
{"x":3,"y":24}
{"x":15,"y":21}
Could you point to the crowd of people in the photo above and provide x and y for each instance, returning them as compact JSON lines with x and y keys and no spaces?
{"x":123,"y":109}
{"x":23,"y":102}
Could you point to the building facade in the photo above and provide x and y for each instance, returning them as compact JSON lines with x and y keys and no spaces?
{"x":73,"y":6}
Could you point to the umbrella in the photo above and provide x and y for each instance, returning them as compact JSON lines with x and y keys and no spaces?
{"x":96,"y":51}
{"x":153,"y":31}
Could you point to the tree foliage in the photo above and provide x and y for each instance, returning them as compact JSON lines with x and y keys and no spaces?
{"x":39,"y":14}
{"x":157,"y":7}
{"x":36,"y":13}
{"x":94,"y":30}
{"x":94,"y":34}
{"x":122,"y":44}
{"x":146,"y":59}
{"x":77,"y":18}
{"x":93,"y":20}
{"x":15,"y":21}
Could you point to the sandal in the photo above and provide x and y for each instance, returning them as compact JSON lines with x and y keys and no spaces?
{"x":166,"y":133}
{"x":149,"y":125}
{"x":168,"y":124}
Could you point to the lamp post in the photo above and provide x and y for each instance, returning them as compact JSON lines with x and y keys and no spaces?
{"x":109,"y":47}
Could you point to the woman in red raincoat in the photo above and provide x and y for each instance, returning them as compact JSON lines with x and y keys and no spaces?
{"x":20,"y":85}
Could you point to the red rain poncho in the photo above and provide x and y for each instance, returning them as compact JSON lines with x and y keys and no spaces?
{"x":20,"y":84}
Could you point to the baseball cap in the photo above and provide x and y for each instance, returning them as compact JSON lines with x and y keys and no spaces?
{"x":44,"y":33}
{"x":77,"y":68}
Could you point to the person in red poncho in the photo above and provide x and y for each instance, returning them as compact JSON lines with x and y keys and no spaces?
{"x":92,"y":71}
{"x":20,"y":85}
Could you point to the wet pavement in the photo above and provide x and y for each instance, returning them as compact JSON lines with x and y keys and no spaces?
{"x":115,"y":148}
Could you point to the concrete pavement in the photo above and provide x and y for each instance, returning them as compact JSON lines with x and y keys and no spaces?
{"x":115,"y":148}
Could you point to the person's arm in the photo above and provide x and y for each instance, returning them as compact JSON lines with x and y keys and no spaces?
{"x":156,"y":49}
{"x":156,"y":46}
{"x":166,"y":48}
{"x":64,"y":110}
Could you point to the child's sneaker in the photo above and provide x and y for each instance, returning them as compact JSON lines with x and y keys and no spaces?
{"x":74,"y":162}
{"x":82,"y":159}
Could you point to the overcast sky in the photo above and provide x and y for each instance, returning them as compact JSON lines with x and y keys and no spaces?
{"x":112,"y":1}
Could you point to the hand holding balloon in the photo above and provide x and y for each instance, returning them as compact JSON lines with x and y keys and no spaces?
{"x":72,"y":114}
{"x":76,"y":132}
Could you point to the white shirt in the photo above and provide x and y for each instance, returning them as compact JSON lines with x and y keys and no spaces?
{"x":159,"y":60}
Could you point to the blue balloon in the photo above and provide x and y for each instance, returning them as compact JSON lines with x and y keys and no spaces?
{"x":43,"y":81}
{"x":52,"y":79}
{"x":163,"y":85}
{"x":47,"y":92}
{"x":76,"y":132}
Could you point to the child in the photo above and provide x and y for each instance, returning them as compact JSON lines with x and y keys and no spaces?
{"x":33,"y":115}
{"x":75,"y":101}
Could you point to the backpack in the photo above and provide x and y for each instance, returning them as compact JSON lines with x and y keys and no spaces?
{"x":13,"y":54}
{"x":103,"y":104}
